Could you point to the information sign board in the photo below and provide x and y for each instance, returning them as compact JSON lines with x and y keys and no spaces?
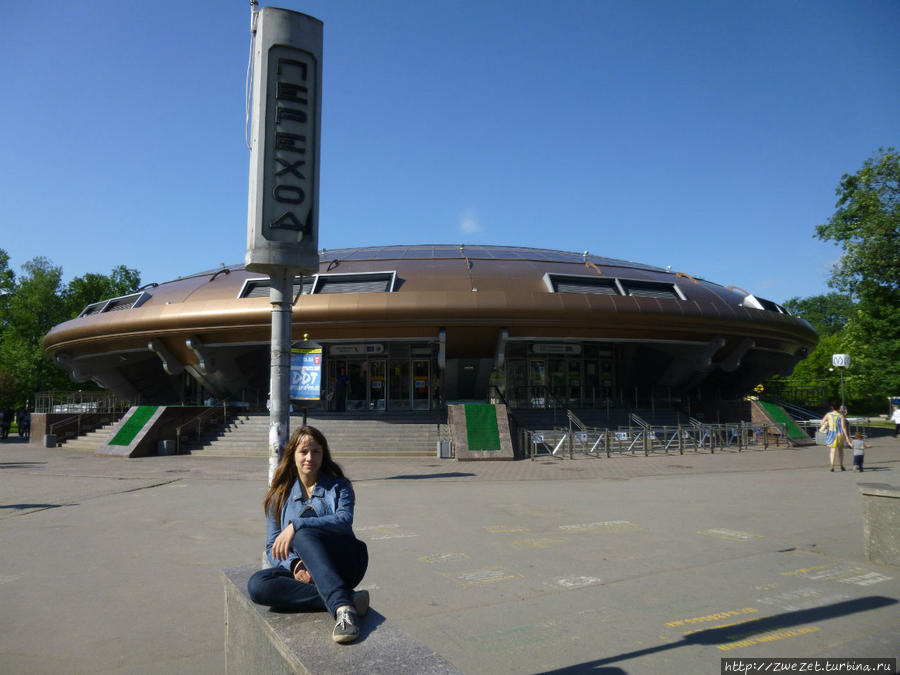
{"x":306,"y":374}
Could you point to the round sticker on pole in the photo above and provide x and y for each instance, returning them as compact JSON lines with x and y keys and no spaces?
{"x":840,"y":360}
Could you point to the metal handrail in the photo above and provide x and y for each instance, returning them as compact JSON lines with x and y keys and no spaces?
{"x":640,"y":421}
{"x":574,"y":419}
{"x":68,"y":420}
{"x":198,"y":419}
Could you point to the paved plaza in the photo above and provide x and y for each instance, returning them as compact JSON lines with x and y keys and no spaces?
{"x":661,"y":564}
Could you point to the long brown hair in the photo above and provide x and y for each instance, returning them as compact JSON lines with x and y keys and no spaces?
{"x":286,"y":471}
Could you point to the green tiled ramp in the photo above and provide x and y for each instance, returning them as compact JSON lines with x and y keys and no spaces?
{"x":781,"y":417}
{"x":133,"y":425}
{"x":481,"y":427}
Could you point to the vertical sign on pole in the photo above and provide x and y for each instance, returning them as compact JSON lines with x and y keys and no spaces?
{"x":283,"y":195}
{"x":306,"y":374}
{"x":841,"y":361}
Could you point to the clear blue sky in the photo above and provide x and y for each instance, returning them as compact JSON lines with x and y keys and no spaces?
{"x":708,"y":136}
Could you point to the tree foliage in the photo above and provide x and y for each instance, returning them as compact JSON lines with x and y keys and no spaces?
{"x":867,"y":225}
{"x":863,"y":318}
{"x":31,"y":305}
{"x":828,"y":314}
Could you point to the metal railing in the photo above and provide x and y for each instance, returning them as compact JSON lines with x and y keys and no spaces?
{"x":80,"y":402}
{"x":201,"y":421}
{"x":83,"y":423}
{"x":647,"y":440}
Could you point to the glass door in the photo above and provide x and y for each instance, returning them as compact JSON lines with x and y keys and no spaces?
{"x":557,"y":368}
{"x":574,"y":383}
{"x":337,"y":384}
{"x":516,"y":381}
{"x":399,"y":384}
{"x":377,"y":389}
{"x":356,"y":386}
{"x":421,"y":385}
{"x":537,"y":381}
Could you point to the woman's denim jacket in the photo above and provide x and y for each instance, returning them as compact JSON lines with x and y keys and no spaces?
{"x":330,"y":508}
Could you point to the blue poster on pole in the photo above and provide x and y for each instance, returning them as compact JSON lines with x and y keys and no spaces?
{"x":306,"y":374}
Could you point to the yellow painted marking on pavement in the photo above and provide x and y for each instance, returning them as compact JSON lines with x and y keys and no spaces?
{"x":843,"y":573}
{"x":505,"y":529}
{"x":443,"y":557}
{"x":731,"y":535}
{"x":604,"y":526}
{"x":717,"y":626}
{"x":768,"y":637}
{"x":488,"y":575}
{"x":712,"y":617}
{"x":392,"y":531}
{"x":538,"y":542}
{"x":576,"y":582}
{"x":803,"y":570}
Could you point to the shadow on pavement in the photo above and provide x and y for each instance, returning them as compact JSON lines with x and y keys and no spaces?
{"x":451,"y":474}
{"x":740,"y":632}
{"x":23,"y":507}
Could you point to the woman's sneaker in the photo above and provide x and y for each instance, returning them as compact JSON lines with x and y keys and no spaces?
{"x":346,"y":628}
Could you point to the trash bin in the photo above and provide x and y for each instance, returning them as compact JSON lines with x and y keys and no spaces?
{"x":165,"y":447}
{"x":443,"y":449}
{"x":49,"y":440}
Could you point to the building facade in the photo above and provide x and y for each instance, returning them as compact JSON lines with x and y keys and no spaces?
{"x":412,"y":327}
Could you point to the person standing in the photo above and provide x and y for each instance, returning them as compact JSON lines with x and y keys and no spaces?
{"x":859,"y":451}
{"x":316,"y":559}
{"x":836,"y":434}
{"x":895,"y":418}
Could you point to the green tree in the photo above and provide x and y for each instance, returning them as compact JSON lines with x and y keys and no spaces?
{"x":35,"y":306}
{"x":828,"y":314}
{"x":90,"y":288}
{"x":866,"y":224}
{"x":7,"y":286}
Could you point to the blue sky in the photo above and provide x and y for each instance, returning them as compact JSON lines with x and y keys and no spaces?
{"x":705,"y":136}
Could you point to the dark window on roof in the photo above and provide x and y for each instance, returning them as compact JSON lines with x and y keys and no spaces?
{"x":591,"y":285}
{"x":372,"y":282}
{"x":768,"y":304}
{"x":259,"y":288}
{"x":649,"y":289}
{"x":93,"y":308}
{"x":126,"y":302}
{"x":116,"y":304}
{"x":756,"y":302}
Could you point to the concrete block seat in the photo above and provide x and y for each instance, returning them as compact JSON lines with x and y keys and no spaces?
{"x":259,"y":640}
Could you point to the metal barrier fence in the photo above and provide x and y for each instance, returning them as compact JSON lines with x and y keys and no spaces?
{"x":80,"y":402}
{"x":855,"y":425}
{"x":634,"y":440}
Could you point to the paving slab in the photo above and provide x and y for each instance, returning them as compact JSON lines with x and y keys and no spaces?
{"x":627,"y":564}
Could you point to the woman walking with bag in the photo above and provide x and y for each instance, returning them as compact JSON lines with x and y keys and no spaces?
{"x":834,"y":424}
{"x":317,"y":561}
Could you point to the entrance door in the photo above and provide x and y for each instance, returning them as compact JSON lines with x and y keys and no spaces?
{"x":557,"y":368}
{"x":421,"y":384}
{"x":574,"y":383}
{"x":537,"y":381}
{"x":337,"y":384}
{"x":356,"y":386}
{"x":400,"y":389}
{"x":516,"y":382}
{"x":377,"y":389}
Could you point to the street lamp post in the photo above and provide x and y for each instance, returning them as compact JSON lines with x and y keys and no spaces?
{"x":841,"y":361}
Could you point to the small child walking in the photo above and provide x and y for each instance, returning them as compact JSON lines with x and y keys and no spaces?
{"x":859,"y":451}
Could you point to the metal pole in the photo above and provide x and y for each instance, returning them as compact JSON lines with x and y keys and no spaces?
{"x":280,"y":372}
{"x":843,"y":404}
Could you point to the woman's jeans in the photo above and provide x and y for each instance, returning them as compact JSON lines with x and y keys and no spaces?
{"x":336,"y":563}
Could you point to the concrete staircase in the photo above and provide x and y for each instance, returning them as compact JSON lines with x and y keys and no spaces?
{"x":350,"y":435}
{"x":90,"y":441}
